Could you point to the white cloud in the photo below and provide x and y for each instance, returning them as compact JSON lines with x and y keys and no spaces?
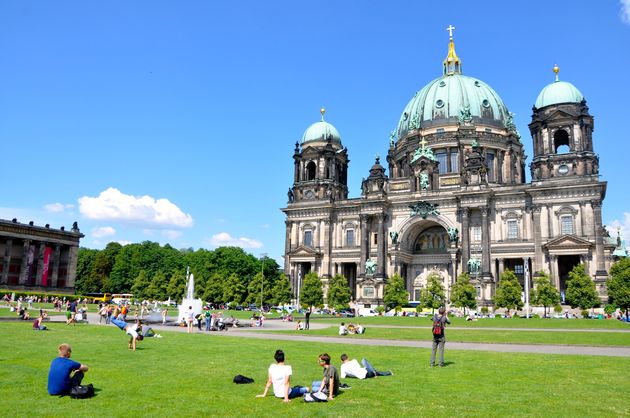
{"x":103,"y":231}
{"x":171,"y":234}
{"x":224,"y":239}
{"x":112,"y":205}
{"x":265,"y":226}
{"x":625,"y":11}
{"x":56,"y":207}
{"x":625,"y":227}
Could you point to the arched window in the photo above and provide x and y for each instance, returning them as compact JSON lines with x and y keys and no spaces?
{"x":561,"y":142}
{"x":311,"y":169}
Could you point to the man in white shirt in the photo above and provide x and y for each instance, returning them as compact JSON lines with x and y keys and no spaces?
{"x":351,"y":368}
{"x":280,"y":378}
{"x":342,"y":329}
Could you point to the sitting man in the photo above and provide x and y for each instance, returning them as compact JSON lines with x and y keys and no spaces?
{"x":330,"y":383}
{"x":59,"y":380}
{"x":37,"y":323}
{"x":147,"y":332}
{"x":351,"y":368}
{"x":342,"y":329}
{"x":280,"y":378}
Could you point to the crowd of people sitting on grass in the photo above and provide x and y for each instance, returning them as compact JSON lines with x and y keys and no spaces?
{"x":326,"y":389}
{"x":351,"y":329}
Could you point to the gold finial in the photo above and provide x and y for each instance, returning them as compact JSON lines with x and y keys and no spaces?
{"x":322,"y":111}
{"x":423,"y":143}
{"x":556,"y":70}
{"x":452,"y":63}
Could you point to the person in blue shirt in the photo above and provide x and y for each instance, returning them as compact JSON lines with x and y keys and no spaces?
{"x":60,"y":377}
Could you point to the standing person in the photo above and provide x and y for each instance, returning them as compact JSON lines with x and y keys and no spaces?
{"x":307,"y":320}
{"x":208,"y":316}
{"x":190,"y":317}
{"x":59,"y":380}
{"x":439,"y":323}
{"x":72,"y":308}
{"x":351,"y":368}
{"x":280,"y":378}
{"x":164,"y":314}
{"x":102,"y":312}
{"x":330,"y":382}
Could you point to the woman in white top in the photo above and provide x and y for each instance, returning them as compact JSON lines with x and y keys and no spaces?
{"x":280,"y":378}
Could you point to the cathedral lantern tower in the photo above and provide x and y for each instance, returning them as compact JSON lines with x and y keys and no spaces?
{"x":320,"y":165}
{"x":562,"y":131}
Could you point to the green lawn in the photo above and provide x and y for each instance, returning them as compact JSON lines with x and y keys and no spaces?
{"x":484,"y":335}
{"x":190,"y":375}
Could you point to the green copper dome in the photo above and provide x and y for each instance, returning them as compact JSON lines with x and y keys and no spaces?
{"x":321,"y":131}
{"x":558,"y":92}
{"x":445,"y":99}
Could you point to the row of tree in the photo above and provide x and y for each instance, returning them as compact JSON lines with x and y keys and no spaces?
{"x":230,"y":275}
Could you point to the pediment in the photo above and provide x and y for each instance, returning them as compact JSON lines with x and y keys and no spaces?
{"x":568,"y":242}
{"x":558,"y":114}
{"x":303,"y":251}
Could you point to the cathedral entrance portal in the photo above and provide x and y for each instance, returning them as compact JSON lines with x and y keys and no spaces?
{"x":565,"y":265}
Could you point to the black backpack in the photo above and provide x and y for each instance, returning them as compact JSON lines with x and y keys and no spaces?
{"x":82,"y":392}
{"x":240,"y":379}
{"x":437,"y":326}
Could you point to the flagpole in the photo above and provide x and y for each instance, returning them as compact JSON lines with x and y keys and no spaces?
{"x":526,"y":271}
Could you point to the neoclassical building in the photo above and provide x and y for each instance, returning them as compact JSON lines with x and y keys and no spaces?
{"x":452,"y":195}
{"x":38,"y":258}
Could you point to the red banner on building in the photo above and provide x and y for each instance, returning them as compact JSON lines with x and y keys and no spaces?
{"x":47,"y":252}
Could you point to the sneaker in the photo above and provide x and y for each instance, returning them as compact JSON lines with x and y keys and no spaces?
{"x":344,"y":386}
{"x":158,"y":336}
{"x":391,"y":373}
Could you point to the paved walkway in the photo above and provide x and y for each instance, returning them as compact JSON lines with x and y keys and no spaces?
{"x":277,"y":325}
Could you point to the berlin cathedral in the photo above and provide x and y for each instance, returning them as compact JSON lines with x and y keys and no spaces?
{"x":452,"y":195}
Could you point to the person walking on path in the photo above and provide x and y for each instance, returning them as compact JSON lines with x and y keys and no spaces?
{"x":439,"y":323}
{"x":190,"y":317}
{"x":351,"y":368}
{"x":307,"y":319}
{"x":60,"y":381}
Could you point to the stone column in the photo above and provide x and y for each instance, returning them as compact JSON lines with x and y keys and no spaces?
{"x":599,"y":237}
{"x":501,"y":267}
{"x":287,"y":237}
{"x":381,"y":254}
{"x":328,"y":237}
{"x":40,"y":263}
{"x":56,"y":261}
{"x":485,"y":243}
{"x":500,"y":156}
{"x":553,"y":267}
{"x":464,"y":212}
{"x":365,"y":244}
{"x":24,"y":267}
{"x":6,"y":262}
{"x":550,"y":233}
{"x":72,"y":265}
{"x":582,"y":231}
{"x":538,"y":254}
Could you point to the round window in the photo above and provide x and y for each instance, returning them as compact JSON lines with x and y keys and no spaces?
{"x":563,"y":169}
{"x":442,"y":83}
{"x":439,"y":103}
{"x":477,"y":83}
{"x":485,"y":103}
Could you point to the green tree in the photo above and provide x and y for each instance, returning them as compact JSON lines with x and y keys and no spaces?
{"x":463,"y":293}
{"x":213,"y":291}
{"x":281,"y":292}
{"x":581,"y":291}
{"x":339,"y":294}
{"x":140,"y":285}
{"x":508,"y":293}
{"x":83,"y":282}
{"x":254,"y":289}
{"x":176,"y":286}
{"x":157,"y":287}
{"x":433,"y":295}
{"x":311,"y":293}
{"x":234,"y":290}
{"x":619,"y":284}
{"x":395,"y":294}
{"x":545,"y":293}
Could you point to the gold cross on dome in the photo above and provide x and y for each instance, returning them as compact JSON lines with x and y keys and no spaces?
{"x":450,"y":30}
{"x":423,"y":143}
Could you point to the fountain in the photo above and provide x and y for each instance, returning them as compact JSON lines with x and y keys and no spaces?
{"x":189,"y":299}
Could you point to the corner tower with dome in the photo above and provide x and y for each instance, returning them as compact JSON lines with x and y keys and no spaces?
{"x":452,"y":196}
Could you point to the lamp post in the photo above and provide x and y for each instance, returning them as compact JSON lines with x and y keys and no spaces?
{"x":262,"y":278}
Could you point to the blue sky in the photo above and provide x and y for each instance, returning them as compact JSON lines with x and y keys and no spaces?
{"x":175,"y":122}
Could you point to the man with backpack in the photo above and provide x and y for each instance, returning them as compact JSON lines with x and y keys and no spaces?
{"x":439,"y":323}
